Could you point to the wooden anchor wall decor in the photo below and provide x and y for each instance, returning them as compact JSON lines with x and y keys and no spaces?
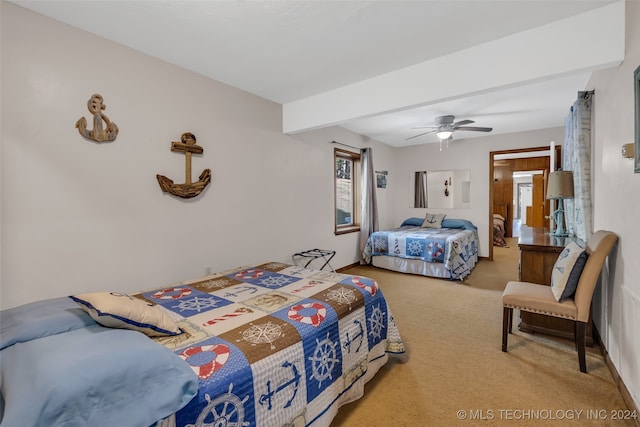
{"x":187,"y":145}
{"x":98,"y":134}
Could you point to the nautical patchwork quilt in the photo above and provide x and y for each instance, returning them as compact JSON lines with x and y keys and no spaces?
{"x":274,"y":344}
{"x":457,"y":249}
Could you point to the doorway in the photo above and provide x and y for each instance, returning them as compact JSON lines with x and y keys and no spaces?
{"x":523,"y":200}
{"x":503,"y":191}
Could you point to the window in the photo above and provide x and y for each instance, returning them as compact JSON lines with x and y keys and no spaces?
{"x":347,"y":191}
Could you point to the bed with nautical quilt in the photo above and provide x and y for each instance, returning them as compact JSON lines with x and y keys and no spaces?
{"x":431,"y":246}
{"x":265,"y":345}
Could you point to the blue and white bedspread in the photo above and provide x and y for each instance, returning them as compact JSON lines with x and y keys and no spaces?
{"x":457,"y":249}
{"x":276,"y":345}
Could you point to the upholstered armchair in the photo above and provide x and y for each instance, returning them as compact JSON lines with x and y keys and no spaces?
{"x":540,"y":299}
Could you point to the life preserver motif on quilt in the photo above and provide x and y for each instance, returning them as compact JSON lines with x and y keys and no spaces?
{"x":372,"y":289}
{"x":219,"y":354}
{"x":249,"y":274}
{"x":435,"y":249}
{"x":172,"y":293}
{"x":312,"y":313}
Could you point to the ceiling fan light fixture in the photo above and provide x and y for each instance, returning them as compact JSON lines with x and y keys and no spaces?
{"x":444,"y":134}
{"x":444,"y":126}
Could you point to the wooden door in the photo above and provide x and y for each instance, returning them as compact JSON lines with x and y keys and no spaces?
{"x":537,"y":201}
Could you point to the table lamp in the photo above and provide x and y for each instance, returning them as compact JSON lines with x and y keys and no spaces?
{"x":560,"y":187}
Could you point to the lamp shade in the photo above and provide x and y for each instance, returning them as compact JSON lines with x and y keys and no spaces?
{"x":560,"y":185}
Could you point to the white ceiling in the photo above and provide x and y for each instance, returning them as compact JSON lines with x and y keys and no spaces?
{"x":296,"y":52}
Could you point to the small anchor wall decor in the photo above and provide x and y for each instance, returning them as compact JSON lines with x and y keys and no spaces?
{"x":98,"y":134}
{"x":187,"y":145}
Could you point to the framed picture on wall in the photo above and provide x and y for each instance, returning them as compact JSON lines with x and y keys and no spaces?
{"x":636,"y":85}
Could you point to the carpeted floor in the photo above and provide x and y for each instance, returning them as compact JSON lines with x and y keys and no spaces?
{"x":454,"y":372}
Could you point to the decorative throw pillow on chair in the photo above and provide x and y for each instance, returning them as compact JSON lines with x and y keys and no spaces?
{"x":567,"y":270}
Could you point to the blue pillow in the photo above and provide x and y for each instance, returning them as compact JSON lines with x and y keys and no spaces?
{"x":567,"y":271}
{"x":93,"y":376}
{"x":458,"y":223}
{"x":41,"y":319}
{"x":416,"y":222}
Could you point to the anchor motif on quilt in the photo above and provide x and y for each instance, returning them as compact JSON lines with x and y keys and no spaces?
{"x":465,"y":254}
{"x":294,"y":382}
{"x":239,"y":290}
{"x":376,"y":322}
{"x":98,"y":134}
{"x":360,"y":335}
{"x":296,"y":271}
{"x":188,"y":146}
{"x":458,"y":269}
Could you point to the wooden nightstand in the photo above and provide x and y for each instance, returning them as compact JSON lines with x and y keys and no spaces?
{"x":538,"y":254}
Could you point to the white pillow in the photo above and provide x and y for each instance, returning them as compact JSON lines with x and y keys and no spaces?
{"x":123,"y":311}
{"x":433,"y":220}
{"x":567,"y":270}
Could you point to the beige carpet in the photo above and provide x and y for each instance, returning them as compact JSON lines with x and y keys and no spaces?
{"x":454,"y":372}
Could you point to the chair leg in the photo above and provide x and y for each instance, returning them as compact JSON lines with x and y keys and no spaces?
{"x":507,"y":315}
{"x":581,"y":338}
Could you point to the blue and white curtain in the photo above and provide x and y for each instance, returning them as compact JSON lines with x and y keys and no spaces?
{"x":369,"y":220}
{"x":577,"y":158}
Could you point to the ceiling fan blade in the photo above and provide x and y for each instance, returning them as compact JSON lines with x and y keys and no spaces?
{"x":462,"y":123}
{"x":420,"y":134}
{"x":425,"y":127}
{"x":475,"y":129}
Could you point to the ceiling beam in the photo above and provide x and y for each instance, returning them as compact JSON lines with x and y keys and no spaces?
{"x":586,"y":42}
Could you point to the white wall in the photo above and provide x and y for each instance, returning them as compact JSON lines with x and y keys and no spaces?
{"x":616,"y":203}
{"x":472,"y":154}
{"x":80,"y":216}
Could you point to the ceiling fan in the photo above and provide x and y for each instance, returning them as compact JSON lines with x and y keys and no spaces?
{"x":444,"y":128}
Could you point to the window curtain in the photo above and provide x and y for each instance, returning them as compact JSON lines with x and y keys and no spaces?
{"x":576,"y":157}
{"x":369,"y":220}
{"x":420,"y":193}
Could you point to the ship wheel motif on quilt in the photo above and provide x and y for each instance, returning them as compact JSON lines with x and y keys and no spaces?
{"x":226,"y":410}
{"x":376,"y":322}
{"x":275,"y":281}
{"x":415,"y":248}
{"x":197,"y":304}
{"x":323,"y":361}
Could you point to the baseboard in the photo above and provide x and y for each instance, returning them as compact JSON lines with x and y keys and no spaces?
{"x":624,"y":391}
{"x":341,"y":269}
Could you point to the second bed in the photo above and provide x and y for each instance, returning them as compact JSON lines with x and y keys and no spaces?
{"x":448,"y":252}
